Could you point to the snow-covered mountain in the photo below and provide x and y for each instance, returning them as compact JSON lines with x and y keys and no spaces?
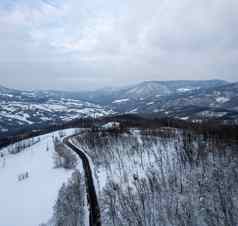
{"x":163,"y":88}
{"x":219,"y":101}
{"x":181,"y":99}
{"x":149,"y":89}
{"x":24,"y":108}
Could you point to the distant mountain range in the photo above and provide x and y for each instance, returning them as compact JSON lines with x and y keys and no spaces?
{"x":149,"y":90}
{"x":187,"y":100}
{"x":193,"y":100}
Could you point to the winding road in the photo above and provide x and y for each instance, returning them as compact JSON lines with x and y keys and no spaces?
{"x":94,"y":217}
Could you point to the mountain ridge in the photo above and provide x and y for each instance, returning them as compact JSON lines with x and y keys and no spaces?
{"x":148,"y":88}
{"x":188,"y":100}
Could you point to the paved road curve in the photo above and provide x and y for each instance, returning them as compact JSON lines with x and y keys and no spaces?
{"x":95,"y":217}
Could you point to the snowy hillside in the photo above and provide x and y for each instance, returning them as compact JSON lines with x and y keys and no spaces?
{"x":29,"y":108}
{"x":188,"y":102}
{"x":163,"y":177}
{"x":193,"y":100}
{"x":148,"y":90}
{"x":30,"y":182}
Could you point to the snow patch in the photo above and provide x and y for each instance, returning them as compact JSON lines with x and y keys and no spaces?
{"x":111,"y":125}
{"x":150,"y":103}
{"x":120,"y":101}
{"x":222,"y":99}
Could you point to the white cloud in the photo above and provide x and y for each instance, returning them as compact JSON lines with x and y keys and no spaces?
{"x":116,"y":41}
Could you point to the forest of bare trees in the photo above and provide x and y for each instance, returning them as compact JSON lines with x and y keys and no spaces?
{"x":163,"y":177}
{"x":69,"y":207}
{"x":22,"y":145}
{"x":63,"y":157}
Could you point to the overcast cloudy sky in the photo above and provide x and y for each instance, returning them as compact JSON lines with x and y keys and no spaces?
{"x":80,"y":44}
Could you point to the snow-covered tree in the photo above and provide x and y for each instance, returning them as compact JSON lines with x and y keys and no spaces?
{"x":69,"y":207}
{"x":63,"y":157}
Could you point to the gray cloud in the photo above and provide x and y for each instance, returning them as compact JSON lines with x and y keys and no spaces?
{"x":94,"y":43}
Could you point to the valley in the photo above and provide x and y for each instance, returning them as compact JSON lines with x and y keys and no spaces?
{"x":186,"y":100}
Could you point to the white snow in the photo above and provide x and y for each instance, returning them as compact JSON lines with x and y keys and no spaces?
{"x":222,"y":99}
{"x":5,"y":94}
{"x":135,"y":110}
{"x":122,"y":161}
{"x":212,"y":114}
{"x":183,"y":90}
{"x":184,"y":118}
{"x":29,"y":202}
{"x":25,"y":113}
{"x":120,"y":101}
{"x":111,"y":125}
{"x":17,"y":117}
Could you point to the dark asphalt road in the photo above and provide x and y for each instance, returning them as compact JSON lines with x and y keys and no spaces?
{"x":95,"y":217}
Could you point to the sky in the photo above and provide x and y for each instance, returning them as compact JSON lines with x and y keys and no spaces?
{"x":88,"y":44}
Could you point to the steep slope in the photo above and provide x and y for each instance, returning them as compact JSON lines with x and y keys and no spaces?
{"x":173,"y":177}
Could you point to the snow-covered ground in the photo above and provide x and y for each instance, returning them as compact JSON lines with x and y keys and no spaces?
{"x":126,"y":157}
{"x":222,"y":99}
{"x":150,"y":103}
{"x":120,"y":101}
{"x":30,"y":202}
{"x":15,"y":114}
{"x":159,"y":177}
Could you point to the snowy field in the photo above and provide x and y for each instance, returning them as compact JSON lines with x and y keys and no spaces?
{"x":30,"y":201}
